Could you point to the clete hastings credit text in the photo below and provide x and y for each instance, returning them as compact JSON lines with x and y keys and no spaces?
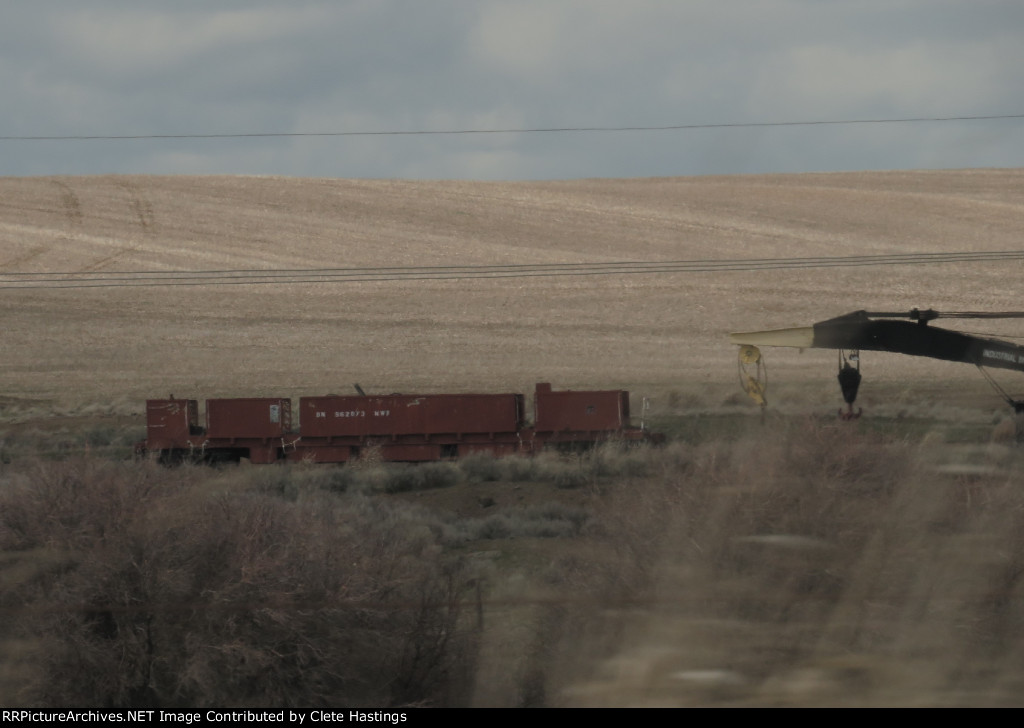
{"x":293,"y":717}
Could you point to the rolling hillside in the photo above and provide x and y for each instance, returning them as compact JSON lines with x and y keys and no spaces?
{"x":650,"y":333}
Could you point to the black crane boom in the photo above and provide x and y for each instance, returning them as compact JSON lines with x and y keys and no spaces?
{"x":862,"y":330}
{"x":881,"y":331}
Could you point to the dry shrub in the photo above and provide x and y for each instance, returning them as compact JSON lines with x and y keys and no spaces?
{"x":819,"y":563}
{"x":798,"y":562}
{"x":425,"y":476}
{"x":169,"y":594}
{"x":549,"y":520}
{"x":483,"y":468}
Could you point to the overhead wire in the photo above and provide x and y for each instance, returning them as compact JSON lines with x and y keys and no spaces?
{"x":296,"y":276}
{"x":524,"y":130}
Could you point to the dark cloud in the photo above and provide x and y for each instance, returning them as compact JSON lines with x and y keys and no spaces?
{"x":386,"y":65}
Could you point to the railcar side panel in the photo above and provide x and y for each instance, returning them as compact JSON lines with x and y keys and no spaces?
{"x":252,"y":418}
{"x":599,"y":411}
{"x":396,"y":415}
{"x":170,"y":422}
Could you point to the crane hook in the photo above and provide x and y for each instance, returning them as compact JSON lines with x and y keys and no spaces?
{"x":849,"y":383}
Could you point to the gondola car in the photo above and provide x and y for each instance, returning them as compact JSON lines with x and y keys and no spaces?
{"x":397,"y":427}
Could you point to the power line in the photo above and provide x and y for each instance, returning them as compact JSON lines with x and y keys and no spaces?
{"x":527,"y":130}
{"x":305,"y":276}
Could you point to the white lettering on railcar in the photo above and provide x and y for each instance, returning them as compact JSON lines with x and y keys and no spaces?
{"x":382,"y":413}
{"x":1003,"y":355}
{"x":350,"y":413}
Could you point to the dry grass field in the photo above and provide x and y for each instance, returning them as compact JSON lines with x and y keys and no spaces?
{"x":787,"y":563}
{"x":110,"y":348}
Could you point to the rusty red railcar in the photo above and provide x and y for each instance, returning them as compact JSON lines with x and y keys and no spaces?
{"x":170,"y":422}
{"x":255,"y":428}
{"x":581,"y":417}
{"x":399,"y":427}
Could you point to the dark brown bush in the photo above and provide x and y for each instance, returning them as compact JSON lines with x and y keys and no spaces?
{"x":169,"y":593}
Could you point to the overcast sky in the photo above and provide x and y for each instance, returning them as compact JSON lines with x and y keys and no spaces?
{"x":142,"y":67}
